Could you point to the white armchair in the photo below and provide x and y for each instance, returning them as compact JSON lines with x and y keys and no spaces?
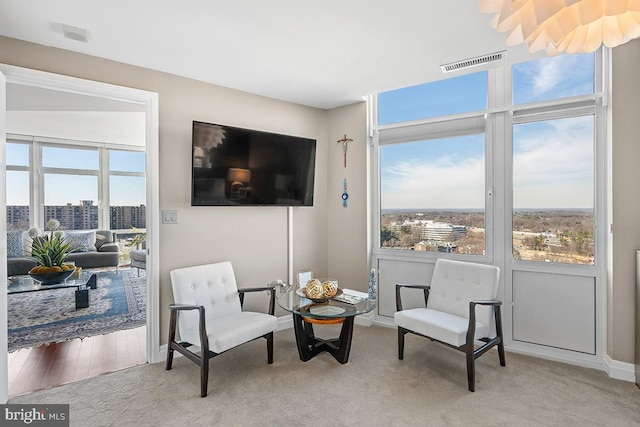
{"x":460,"y":308}
{"x":208,"y":315}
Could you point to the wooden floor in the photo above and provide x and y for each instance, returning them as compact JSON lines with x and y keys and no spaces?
{"x":37,"y":368}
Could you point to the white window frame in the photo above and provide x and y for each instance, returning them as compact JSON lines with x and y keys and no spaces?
{"x":471,"y":123}
{"x":500,"y":117}
{"x":37,"y":171}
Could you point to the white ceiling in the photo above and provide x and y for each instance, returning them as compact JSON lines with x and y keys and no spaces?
{"x":323,"y":54}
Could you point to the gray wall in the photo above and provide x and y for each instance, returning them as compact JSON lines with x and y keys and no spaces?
{"x":625,"y":99}
{"x":347,"y":227}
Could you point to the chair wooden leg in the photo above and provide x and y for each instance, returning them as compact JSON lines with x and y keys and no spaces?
{"x":401,"y":334}
{"x":498,"y":317}
{"x":471,"y":367}
{"x":169,"y":358}
{"x":172,"y":336}
{"x":204,"y":376}
{"x":270,"y":348}
{"x":501,"y":354}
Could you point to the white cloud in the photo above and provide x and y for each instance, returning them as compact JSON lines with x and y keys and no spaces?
{"x":441,"y":183}
{"x":548,"y":75}
{"x":553,"y":168}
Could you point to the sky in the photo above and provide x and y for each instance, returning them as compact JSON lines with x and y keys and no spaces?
{"x":553,"y":160}
{"x":61,"y":189}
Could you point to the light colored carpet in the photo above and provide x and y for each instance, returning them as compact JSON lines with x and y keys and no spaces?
{"x":428,"y":387}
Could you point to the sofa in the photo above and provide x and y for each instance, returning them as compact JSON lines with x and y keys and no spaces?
{"x":94,"y":249}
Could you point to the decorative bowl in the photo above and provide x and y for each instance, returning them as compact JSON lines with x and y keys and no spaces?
{"x":51,"y":278}
{"x":303,"y":293}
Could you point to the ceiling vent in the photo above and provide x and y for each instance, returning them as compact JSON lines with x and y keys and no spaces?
{"x":74,"y":33}
{"x":473,"y":62}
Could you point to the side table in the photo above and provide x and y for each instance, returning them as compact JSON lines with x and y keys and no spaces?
{"x":306,"y":313}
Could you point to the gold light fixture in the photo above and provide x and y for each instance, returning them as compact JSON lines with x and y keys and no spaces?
{"x":571,"y":26}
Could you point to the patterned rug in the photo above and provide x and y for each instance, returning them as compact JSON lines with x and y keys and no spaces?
{"x":43,"y":317}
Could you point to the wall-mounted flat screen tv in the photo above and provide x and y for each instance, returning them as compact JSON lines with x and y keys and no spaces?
{"x":235,"y":167}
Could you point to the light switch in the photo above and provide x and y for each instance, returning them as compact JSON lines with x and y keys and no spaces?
{"x":169,"y":217}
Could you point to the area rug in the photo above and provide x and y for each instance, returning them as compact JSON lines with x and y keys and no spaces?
{"x":43,"y":317}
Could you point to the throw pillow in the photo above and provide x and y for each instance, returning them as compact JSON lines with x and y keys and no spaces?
{"x":15,"y":243}
{"x":81,"y":241}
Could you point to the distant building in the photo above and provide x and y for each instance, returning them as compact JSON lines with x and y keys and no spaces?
{"x":447,"y":247}
{"x":83,"y":216}
{"x":431,"y":231}
{"x":17,"y":217}
{"x":124,"y":217}
{"x":73,"y":217}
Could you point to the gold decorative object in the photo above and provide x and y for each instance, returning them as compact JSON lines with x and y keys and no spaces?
{"x":329,"y":288}
{"x":314,"y":289}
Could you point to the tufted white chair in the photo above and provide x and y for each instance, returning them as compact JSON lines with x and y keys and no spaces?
{"x":208,"y":315}
{"x":461,"y":308}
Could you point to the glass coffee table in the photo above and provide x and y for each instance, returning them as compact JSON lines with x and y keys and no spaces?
{"x":85,"y":281}
{"x":306,"y":313}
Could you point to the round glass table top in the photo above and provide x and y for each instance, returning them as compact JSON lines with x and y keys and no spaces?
{"x":331,"y":308}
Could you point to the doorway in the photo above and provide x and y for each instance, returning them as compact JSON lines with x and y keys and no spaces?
{"x":95,"y":93}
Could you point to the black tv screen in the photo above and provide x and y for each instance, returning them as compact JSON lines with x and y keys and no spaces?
{"x":234,"y":166}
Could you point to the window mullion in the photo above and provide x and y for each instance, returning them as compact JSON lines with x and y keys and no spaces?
{"x":36,"y":186}
{"x":103,"y":190}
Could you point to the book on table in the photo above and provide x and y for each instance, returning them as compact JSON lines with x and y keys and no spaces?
{"x":351,"y":297}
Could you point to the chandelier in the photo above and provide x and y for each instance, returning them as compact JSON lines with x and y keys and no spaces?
{"x":569,"y":26}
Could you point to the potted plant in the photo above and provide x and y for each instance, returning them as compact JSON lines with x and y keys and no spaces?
{"x":50,"y":252}
{"x":139,"y":240}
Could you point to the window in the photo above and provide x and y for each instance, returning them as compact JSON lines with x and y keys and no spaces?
{"x":127,"y":189}
{"x":553,"y":190}
{"x":432,"y":195}
{"x":70,"y":158}
{"x":83,"y":185}
{"x":18,"y":192}
{"x":441,"y":98}
{"x":553,"y":78}
{"x":432,"y":172}
{"x":437,"y":145}
{"x":70,"y":182}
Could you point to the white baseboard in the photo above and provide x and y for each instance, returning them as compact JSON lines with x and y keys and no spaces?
{"x":285,"y":322}
{"x":366,"y":319}
{"x":619,"y":370}
{"x":385,"y":321}
{"x":162,"y":354}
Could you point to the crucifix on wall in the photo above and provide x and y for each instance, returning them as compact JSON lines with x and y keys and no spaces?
{"x":345,"y":141}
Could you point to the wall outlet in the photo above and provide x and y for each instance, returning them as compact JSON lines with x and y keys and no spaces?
{"x":169,"y":217}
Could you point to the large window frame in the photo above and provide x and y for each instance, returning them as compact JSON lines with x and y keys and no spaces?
{"x":498,"y":119}
{"x":37,"y":173}
{"x":433,"y":129}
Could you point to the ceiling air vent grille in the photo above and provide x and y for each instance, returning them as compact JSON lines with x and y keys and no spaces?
{"x":473,"y":62}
